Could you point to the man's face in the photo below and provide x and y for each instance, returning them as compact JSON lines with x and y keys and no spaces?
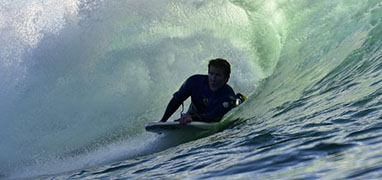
{"x":216,"y":78}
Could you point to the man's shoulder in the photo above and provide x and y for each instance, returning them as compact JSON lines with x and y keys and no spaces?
{"x":228,"y":90}
{"x":197,"y":78}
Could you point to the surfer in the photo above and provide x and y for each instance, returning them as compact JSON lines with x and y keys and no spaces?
{"x":211,"y":96}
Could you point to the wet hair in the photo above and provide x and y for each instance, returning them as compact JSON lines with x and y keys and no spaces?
{"x":220,"y":63}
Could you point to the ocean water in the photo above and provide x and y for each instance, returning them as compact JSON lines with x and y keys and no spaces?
{"x":80,"y":78}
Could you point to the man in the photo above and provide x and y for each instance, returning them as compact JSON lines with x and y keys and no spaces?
{"x":211,"y":96}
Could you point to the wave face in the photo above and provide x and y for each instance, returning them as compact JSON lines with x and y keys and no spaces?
{"x":79,"y":79}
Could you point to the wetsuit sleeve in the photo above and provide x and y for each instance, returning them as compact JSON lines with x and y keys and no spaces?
{"x":181,"y":95}
{"x":217,"y":113}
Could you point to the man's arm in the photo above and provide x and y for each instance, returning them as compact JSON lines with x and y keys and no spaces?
{"x":181,"y":95}
{"x":172,"y":106}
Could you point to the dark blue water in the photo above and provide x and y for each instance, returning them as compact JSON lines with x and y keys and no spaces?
{"x":79,"y":79}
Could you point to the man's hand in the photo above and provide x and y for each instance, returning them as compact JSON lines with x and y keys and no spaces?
{"x":185,"y":119}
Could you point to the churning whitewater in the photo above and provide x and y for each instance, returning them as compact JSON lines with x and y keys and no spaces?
{"x":80,"y":79}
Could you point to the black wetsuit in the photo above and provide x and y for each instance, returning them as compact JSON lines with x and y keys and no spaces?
{"x":206,"y":105}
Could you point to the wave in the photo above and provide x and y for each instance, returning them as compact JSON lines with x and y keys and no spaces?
{"x":80,"y":77}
